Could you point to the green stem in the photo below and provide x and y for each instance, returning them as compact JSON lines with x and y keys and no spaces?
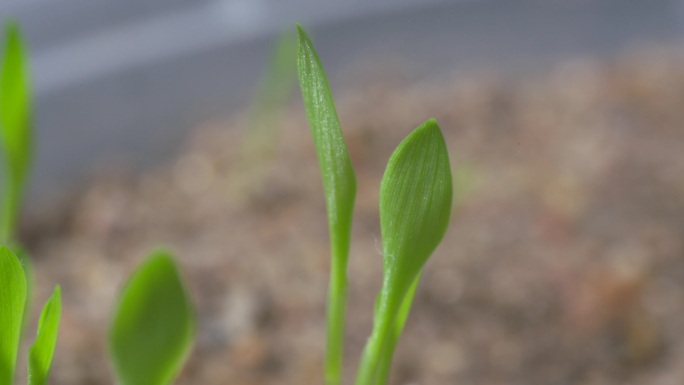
{"x":10,"y":208}
{"x":400,"y":322}
{"x":373,"y":351}
{"x":383,"y":328}
{"x":337,"y":302}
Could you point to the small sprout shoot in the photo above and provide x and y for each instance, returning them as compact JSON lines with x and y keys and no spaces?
{"x":12,"y":301}
{"x":415,"y":205}
{"x":339,"y":184}
{"x":270,"y":100}
{"x":16,"y":133}
{"x":43,"y":349}
{"x":153,"y":326}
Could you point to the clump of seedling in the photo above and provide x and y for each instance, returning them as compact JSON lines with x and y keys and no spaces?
{"x":13,"y":299}
{"x":153,"y":324}
{"x":15,"y":275}
{"x":415,"y":205}
{"x":150,"y":337}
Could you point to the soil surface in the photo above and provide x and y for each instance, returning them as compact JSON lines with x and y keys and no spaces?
{"x":563,"y":264}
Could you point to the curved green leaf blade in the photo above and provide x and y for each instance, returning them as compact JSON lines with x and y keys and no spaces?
{"x":15,"y":126}
{"x":43,"y":349}
{"x":339,"y":182}
{"x":338,"y":175}
{"x":415,"y":205}
{"x":27,"y":265}
{"x":12,"y":301}
{"x":153,"y":326}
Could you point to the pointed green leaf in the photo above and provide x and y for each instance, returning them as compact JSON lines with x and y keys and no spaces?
{"x":15,"y":126}
{"x":12,"y":301}
{"x":43,"y":349}
{"x":153,"y":326}
{"x":415,"y":204}
{"x":336,"y":168}
{"x":339,"y":183}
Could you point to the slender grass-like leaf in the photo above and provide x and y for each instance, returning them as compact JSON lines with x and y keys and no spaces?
{"x":415,"y":205}
{"x":43,"y":349}
{"x":339,"y":184}
{"x":15,"y":127}
{"x":153,"y":327}
{"x":12,"y":301}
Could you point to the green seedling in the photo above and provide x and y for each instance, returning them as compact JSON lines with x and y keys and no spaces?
{"x":415,"y":206}
{"x":16,"y":137}
{"x":43,"y":349}
{"x":339,"y":182}
{"x":16,"y":142}
{"x":13,"y":293}
{"x":153,"y":326}
{"x":16,"y":133}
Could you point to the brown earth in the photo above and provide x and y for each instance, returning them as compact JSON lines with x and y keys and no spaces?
{"x":564,"y":262}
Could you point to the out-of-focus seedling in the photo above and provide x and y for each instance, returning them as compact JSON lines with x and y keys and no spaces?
{"x":16,"y":283}
{"x":270,"y":100}
{"x":339,"y":182}
{"x":16,"y":133}
{"x":153,"y":326}
{"x":16,"y":142}
{"x":43,"y":349}
{"x":13,"y":290}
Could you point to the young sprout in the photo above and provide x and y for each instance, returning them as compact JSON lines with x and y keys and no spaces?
{"x":15,"y":128}
{"x":415,"y":205}
{"x":339,"y":183}
{"x":153,"y":326}
{"x":270,"y":100}
{"x":12,"y":301}
{"x":43,"y":349}
{"x":13,"y":293}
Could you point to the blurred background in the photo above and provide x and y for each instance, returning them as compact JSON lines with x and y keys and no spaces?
{"x":179,"y":122}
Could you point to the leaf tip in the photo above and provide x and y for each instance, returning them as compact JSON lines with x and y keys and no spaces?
{"x":303,"y":38}
{"x":57,"y":293}
{"x":11,"y":27}
{"x":430,"y":126}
